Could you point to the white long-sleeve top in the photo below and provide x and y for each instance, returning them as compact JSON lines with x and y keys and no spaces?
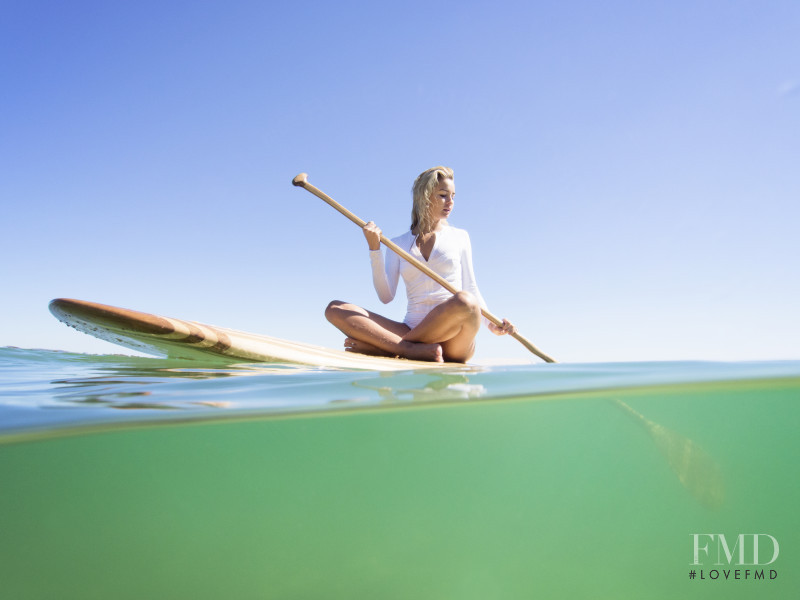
{"x":451,"y":258}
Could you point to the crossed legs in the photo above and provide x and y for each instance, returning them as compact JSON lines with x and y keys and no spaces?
{"x":446,"y":333}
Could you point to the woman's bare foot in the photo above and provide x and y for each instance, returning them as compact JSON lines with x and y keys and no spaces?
{"x":410,"y":350}
{"x":419,"y":351}
{"x":354,"y":345}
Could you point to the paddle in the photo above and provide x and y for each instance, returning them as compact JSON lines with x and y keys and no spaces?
{"x":695,"y":469}
{"x":302,"y":181}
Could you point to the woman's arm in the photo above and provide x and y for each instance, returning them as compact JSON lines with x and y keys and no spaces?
{"x":470,"y":285}
{"x":384,"y":278}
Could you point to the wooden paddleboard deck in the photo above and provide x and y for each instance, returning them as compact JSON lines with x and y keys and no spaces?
{"x":176,"y":338}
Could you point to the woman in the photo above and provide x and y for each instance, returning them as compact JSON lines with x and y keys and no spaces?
{"x":438,"y":325}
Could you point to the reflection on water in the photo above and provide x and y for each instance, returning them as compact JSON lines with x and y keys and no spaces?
{"x":428,"y":387}
{"x":116,"y":386}
{"x":49,"y":390}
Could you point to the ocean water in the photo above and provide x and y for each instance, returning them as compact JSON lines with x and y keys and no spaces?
{"x":124,"y":477}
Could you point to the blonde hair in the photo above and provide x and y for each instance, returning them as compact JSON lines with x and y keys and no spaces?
{"x":423,"y":186}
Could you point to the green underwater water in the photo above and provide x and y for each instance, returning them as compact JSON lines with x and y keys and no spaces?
{"x":412,"y":485}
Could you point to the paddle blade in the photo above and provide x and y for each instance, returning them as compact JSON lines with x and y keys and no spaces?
{"x":696,"y":470}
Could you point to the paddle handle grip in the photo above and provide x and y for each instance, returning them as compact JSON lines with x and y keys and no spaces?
{"x":302,"y":181}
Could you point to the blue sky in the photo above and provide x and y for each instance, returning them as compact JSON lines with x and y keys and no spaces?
{"x":628,"y":171}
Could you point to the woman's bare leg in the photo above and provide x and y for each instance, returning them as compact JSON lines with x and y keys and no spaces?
{"x":377,"y":333}
{"x":354,"y":345}
{"x":454,"y":324}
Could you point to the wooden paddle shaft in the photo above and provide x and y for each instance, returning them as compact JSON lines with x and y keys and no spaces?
{"x":302,"y":181}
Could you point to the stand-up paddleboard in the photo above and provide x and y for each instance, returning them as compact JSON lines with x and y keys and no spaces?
{"x":175,"y":338}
